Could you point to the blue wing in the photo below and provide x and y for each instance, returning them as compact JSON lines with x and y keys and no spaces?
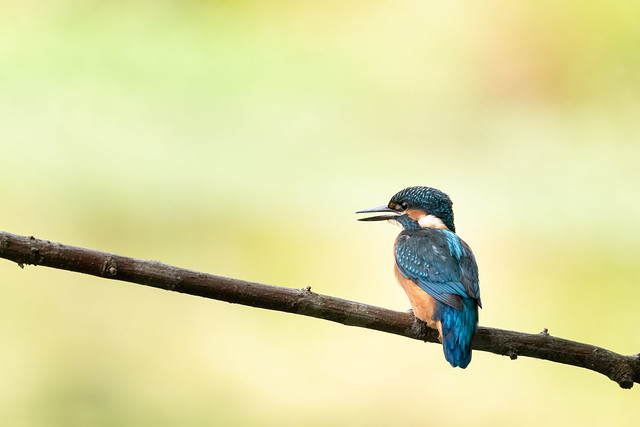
{"x":440,"y":263}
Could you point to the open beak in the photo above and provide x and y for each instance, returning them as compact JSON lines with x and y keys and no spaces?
{"x":378,"y":217}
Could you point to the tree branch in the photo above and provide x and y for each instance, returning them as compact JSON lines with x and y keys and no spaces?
{"x":624,"y":370}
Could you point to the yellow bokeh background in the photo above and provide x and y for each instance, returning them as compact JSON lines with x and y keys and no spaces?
{"x":239,"y":138}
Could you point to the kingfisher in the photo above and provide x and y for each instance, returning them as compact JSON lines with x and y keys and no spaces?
{"x":436,"y":268}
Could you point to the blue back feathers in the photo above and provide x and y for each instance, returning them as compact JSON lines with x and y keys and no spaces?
{"x":455,"y":247}
{"x":440,"y":263}
{"x":444,"y":266}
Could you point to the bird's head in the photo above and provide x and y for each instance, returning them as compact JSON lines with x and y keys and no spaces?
{"x":417,"y":206}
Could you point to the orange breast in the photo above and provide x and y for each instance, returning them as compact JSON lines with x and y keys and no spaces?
{"x":422,"y":303}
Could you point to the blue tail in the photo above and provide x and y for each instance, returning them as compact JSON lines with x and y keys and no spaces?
{"x":458,"y":327}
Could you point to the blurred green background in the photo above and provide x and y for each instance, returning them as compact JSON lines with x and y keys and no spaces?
{"x":238,"y":138}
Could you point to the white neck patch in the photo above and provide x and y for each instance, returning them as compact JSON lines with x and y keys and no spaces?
{"x":431,"y":221}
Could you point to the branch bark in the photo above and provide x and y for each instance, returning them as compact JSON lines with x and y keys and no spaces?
{"x":624,"y":370}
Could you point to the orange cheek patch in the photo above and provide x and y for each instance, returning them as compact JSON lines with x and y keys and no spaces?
{"x":425,"y":220}
{"x":415,"y":214}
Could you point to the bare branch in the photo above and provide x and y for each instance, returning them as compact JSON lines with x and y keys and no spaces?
{"x":624,"y":370}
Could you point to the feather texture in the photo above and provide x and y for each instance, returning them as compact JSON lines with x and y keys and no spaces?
{"x":443,"y":265}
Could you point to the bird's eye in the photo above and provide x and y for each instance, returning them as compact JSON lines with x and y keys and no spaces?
{"x":404,"y":206}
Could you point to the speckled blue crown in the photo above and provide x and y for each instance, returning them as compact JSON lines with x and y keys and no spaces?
{"x":432,"y":201}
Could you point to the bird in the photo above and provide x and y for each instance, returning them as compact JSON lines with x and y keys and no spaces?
{"x":436,"y":268}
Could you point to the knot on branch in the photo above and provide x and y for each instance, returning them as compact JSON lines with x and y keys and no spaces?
{"x":109,"y":267}
{"x":419,"y":329}
{"x":35,"y":257}
{"x":304,"y":301}
{"x":623,"y":374}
